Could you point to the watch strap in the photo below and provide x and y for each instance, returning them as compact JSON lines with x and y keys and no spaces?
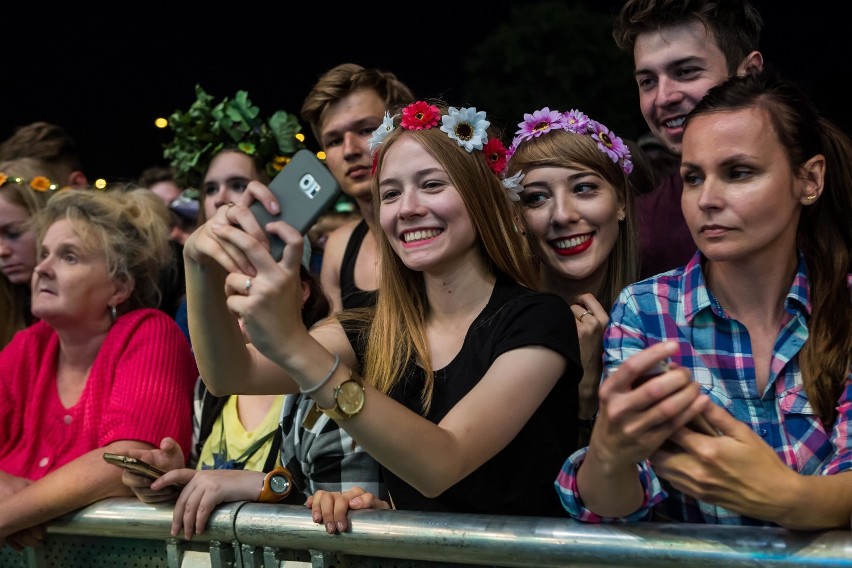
{"x":267,"y":495}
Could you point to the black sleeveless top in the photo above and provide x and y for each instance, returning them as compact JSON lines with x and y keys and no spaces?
{"x":351,"y":295}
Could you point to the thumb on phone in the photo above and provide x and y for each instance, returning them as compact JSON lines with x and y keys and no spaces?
{"x":172,"y":454}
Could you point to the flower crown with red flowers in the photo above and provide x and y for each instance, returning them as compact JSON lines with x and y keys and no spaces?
{"x":467,"y":126}
{"x":546,"y":120}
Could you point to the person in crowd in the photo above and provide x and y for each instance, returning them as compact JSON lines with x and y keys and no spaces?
{"x":663,"y":162}
{"x":171,"y":285}
{"x":162,"y":180}
{"x":343,"y":109}
{"x":316,"y":453}
{"x":453,"y":381}
{"x":182,"y":202}
{"x":576,"y":205}
{"x":680,"y":49}
{"x":228,"y":131}
{"x":101,"y":371}
{"x":24,"y":190}
{"x":53,"y":146}
{"x":758,"y":327}
{"x":185,"y":214}
{"x":219,"y":148}
{"x":326,"y":224}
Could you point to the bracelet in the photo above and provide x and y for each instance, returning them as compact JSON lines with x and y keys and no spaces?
{"x":324,"y":380}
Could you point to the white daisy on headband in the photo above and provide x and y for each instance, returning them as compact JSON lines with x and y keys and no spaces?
{"x":380,"y":133}
{"x":467,"y":126}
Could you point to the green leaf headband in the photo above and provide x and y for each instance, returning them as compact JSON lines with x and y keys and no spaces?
{"x":205,"y":129}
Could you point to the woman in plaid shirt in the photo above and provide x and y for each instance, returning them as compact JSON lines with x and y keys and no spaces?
{"x":758,"y":324}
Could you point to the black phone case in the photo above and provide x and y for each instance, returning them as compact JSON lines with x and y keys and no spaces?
{"x":305,"y":189}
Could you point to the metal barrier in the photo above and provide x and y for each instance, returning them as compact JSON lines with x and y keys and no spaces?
{"x":128,"y":533}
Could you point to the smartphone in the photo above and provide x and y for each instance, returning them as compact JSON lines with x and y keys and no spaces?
{"x":305,"y":189}
{"x":135,"y":465}
{"x":658,"y":368}
{"x":699,"y":423}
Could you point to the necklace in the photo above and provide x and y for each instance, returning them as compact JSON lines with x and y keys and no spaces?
{"x":719,"y":307}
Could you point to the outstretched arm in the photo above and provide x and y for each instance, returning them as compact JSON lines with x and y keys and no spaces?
{"x":76,"y":484}
{"x":226,"y":363}
{"x":396,"y":437}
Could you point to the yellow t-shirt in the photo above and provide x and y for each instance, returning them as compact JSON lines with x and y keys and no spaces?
{"x":228,"y":440}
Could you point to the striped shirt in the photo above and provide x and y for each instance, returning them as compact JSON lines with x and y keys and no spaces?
{"x":677,"y":305}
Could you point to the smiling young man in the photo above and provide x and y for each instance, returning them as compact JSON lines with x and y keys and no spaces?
{"x":681,"y":48}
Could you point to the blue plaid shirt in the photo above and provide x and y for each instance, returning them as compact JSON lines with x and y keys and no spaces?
{"x":678,"y":306}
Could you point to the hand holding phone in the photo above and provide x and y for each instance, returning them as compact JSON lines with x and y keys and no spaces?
{"x":699,"y":423}
{"x":305,"y":189}
{"x":134,"y":465}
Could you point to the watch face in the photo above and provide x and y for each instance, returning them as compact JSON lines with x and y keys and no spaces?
{"x":279,"y":484}
{"x":350,"y":397}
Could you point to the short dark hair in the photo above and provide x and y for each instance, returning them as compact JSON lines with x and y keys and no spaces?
{"x":734,"y":25}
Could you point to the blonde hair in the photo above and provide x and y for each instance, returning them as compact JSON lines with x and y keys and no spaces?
{"x":130,"y":229}
{"x":344,"y":79}
{"x":15,"y":312}
{"x":397,"y":333}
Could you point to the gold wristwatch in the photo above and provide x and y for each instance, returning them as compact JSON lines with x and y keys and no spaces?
{"x":277,"y":485}
{"x":348,"y":399}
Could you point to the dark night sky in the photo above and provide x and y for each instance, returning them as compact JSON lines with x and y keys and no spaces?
{"x":108,"y":82}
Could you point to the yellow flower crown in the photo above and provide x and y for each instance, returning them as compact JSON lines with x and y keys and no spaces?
{"x":38,"y":183}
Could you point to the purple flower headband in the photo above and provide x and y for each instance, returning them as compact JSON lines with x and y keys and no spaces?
{"x":545,"y":120}
{"x":466,"y":126}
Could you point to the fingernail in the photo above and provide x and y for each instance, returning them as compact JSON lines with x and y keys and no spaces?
{"x":273,"y":206}
{"x":317,"y":517}
{"x":356,"y":502}
{"x":329,"y":528}
{"x":341,"y":526}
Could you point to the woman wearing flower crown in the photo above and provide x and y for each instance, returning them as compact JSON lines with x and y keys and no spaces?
{"x":455,"y":380}
{"x":24,"y":190}
{"x":576,"y":204}
{"x":758,"y":326}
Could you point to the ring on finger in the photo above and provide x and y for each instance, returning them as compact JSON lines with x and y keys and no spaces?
{"x":248,"y":285}
{"x":587,"y":312}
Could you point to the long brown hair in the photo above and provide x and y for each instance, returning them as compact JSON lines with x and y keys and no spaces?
{"x":824,"y":235}
{"x":397,"y":333}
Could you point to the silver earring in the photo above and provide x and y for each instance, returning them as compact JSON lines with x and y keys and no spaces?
{"x":112,"y":313}
{"x":622,"y":217}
